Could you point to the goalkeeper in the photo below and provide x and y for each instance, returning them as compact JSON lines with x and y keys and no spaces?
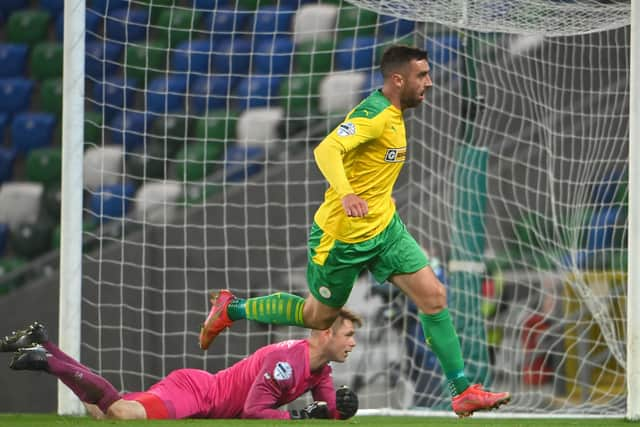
{"x":252,"y":388}
{"x":357,"y":228}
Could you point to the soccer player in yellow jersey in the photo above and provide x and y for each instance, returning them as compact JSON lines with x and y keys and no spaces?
{"x":357,"y":227}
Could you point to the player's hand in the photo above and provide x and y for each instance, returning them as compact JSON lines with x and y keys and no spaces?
{"x":346,"y":402}
{"x":354,"y":206}
{"x":317,"y":409}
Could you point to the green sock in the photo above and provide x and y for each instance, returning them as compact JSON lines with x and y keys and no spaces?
{"x":443,"y":340}
{"x":277,"y":309}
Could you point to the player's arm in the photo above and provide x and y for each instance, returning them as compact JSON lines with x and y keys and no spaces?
{"x":342,"y":403}
{"x":325,"y":392}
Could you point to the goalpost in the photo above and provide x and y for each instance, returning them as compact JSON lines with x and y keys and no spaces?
{"x":190,"y":124}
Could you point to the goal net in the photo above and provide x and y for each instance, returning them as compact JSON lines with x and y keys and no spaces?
{"x":200,"y":118}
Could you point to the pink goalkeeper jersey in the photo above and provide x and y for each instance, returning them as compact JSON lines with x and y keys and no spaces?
{"x":252,"y":388}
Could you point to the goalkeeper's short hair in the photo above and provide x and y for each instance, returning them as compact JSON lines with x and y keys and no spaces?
{"x":346,"y":314}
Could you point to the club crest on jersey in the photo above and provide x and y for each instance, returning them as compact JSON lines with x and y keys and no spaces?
{"x":282,"y":371}
{"x":395,"y":155}
{"x":346,"y":129}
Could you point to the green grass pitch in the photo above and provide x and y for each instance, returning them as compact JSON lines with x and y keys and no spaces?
{"x":32,"y":420}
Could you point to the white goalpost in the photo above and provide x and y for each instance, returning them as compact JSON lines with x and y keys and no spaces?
{"x":190,"y":124}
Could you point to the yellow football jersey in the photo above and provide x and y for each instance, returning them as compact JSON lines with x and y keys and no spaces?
{"x":372,"y":144}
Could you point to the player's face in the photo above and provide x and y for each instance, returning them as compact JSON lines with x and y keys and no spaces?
{"x":416,"y":82}
{"x":342,"y":341}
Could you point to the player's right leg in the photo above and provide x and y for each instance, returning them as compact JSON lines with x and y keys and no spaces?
{"x":35,"y":333}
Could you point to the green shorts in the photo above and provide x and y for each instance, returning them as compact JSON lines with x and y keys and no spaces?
{"x":334,"y":266}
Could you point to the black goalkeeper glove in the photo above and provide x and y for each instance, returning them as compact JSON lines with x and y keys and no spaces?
{"x":346,"y":402}
{"x":317,"y":409}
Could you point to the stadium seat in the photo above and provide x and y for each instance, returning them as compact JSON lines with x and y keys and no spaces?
{"x":128,"y":129}
{"x":29,"y":240}
{"x":341,"y":91}
{"x":92,"y":20}
{"x":93,"y":127}
{"x":155,"y":201}
{"x":193,"y":56}
{"x":53,"y":7}
{"x":4,"y":234}
{"x":147,"y":161}
{"x":45,"y":165}
{"x":198,"y":159}
{"x":314,"y":22}
{"x":7,"y":159}
{"x":170,"y":132}
{"x":7,"y":7}
{"x":355,"y":53}
{"x":272,"y":21}
{"x":442,"y":49}
{"x":273,"y":56}
{"x":259,"y":127}
{"x":46,"y":60}
{"x":114,"y":95}
{"x":612,"y":189}
{"x":101,"y":59}
{"x":111,"y":201}
{"x":126,"y":25}
{"x":15,"y":94}
{"x":243,"y":161}
{"x":354,"y":21}
{"x":373,"y":81}
{"x":604,"y":228}
{"x":32,"y":130}
{"x":51,"y":96}
{"x":145,"y":61}
{"x":224,"y":23}
{"x":211,"y":93}
{"x":9,"y":265}
{"x":392,"y":27}
{"x":107,"y":6}
{"x":218,"y":126}
{"x":28,"y":26}
{"x":232,"y":56}
{"x":299,"y":94}
{"x":167,"y":94}
{"x":177,"y":25}
{"x":4,"y":120}
{"x":102,"y":166}
{"x":257,"y":91}
{"x":314,"y":56}
{"x":13,"y":58}
{"x":20,"y":202}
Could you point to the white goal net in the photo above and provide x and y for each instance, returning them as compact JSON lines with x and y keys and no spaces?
{"x":200,"y":118}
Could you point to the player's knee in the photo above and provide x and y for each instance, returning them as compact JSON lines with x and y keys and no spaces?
{"x":119,"y":411}
{"x":320,"y":322}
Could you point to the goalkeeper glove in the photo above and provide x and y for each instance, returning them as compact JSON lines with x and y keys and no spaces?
{"x":346,"y":402}
{"x":317,"y":409}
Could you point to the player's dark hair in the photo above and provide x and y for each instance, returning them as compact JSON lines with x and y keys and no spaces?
{"x":346,"y":314}
{"x":397,"y":56}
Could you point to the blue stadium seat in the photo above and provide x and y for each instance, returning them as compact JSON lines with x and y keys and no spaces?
{"x":4,"y":234}
{"x":7,"y":159}
{"x":101,"y":59}
{"x":442,"y":49}
{"x":224,"y":23}
{"x":126,"y":25}
{"x":232,"y":56}
{"x":15,"y":94}
{"x":257,"y":91}
{"x":4,"y":119}
{"x":211,"y":4}
{"x":128,"y":129}
{"x":242,"y":162}
{"x":91,"y":21}
{"x":271,"y":20}
{"x":105,"y":6}
{"x":54,"y":7}
{"x":32,"y":130}
{"x":211,"y":93}
{"x":356,"y":53}
{"x":273,"y":56}
{"x":605,"y":191}
{"x":114,"y":94}
{"x":373,"y":81}
{"x":9,"y":6}
{"x":192,"y":56}
{"x":13,"y":57}
{"x":392,"y":27}
{"x":600,"y":234}
{"x":166,"y":94}
{"x":112,"y":201}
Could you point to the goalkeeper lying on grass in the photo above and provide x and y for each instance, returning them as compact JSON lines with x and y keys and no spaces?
{"x":252,"y":388}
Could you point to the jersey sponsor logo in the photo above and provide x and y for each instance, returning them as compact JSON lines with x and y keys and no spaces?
{"x":395,"y":155}
{"x":346,"y":129}
{"x":282,"y":371}
{"x":325,"y":292}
